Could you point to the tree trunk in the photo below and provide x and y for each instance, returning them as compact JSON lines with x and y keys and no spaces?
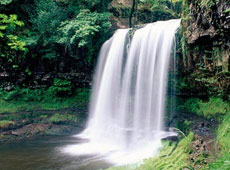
{"x":131,"y":13}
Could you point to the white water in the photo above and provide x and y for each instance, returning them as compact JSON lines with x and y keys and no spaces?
{"x":126,"y":121}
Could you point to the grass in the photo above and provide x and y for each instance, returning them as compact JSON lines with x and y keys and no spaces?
{"x":28,"y":99}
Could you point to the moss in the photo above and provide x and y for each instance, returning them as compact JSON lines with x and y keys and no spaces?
{"x":62,"y":118}
{"x":6,"y":123}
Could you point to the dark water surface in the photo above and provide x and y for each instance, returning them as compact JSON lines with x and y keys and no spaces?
{"x":44,"y":153}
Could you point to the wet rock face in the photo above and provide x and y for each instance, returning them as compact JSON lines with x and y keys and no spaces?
{"x":209,"y":21}
{"x":206,"y":53}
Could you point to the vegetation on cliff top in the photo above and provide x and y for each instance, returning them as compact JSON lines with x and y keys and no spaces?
{"x":41,"y":99}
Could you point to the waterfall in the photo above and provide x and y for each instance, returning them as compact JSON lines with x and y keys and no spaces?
{"x":126,"y":120}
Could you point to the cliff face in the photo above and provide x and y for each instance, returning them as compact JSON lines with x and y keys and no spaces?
{"x":206,"y":47}
{"x":209,"y":21}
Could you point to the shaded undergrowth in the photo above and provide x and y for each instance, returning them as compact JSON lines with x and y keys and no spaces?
{"x":41,"y":99}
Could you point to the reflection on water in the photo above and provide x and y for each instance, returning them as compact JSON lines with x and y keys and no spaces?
{"x":44,"y":154}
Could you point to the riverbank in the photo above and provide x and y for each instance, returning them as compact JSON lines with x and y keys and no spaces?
{"x":203,"y":141}
{"x":26,"y":113}
{"x":26,"y":125}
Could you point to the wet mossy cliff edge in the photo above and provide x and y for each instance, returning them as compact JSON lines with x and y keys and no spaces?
{"x":204,"y":63}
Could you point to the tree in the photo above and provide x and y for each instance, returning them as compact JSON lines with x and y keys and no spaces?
{"x":45,"y":19}
{"x":82,"y":31}
{"x":12,"y":47}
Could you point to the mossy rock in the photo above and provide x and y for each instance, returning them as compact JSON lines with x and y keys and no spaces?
{"x":6,"y":124}
{"x":63,"y":118}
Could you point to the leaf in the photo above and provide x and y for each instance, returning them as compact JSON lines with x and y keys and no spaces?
{"x":5,"y":2}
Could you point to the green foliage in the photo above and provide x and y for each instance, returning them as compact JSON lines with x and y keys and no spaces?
{"x":223,"y":134}
{"x":223,"y":137}
{"x":166,"y":161}
{"x":191,"y":105}
{"x":221,"y":163}
{"x":22,"y":99}
{"x":184,"y":126}
{"x":24,"y":94}
{"x":45,"y":19}
{"x":8,"y":26}
{"x":214,"y":108}
{"x":12,"y":47}
{"x":67,"y":30}
{"x":207,"y":3}
{"x":74,"y":6}
{"x":61,"y":87}
{"x":227,"y":10}
{"x":6,"y":123}
{"x":83,"y":29}
{"x":82,"y":96}
{"x":62,"y":118}
{"x":165,"y":9}
{"x":5,"y":2}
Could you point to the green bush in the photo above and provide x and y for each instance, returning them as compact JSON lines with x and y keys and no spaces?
{"x":61,"y":87}
{"x":184,"y":126}
{"x":222,"y":163}
{"x":213,"y":108}
{"x":191,"y":105}
{"x":223,"y":134}
{"x":12,"y":47}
